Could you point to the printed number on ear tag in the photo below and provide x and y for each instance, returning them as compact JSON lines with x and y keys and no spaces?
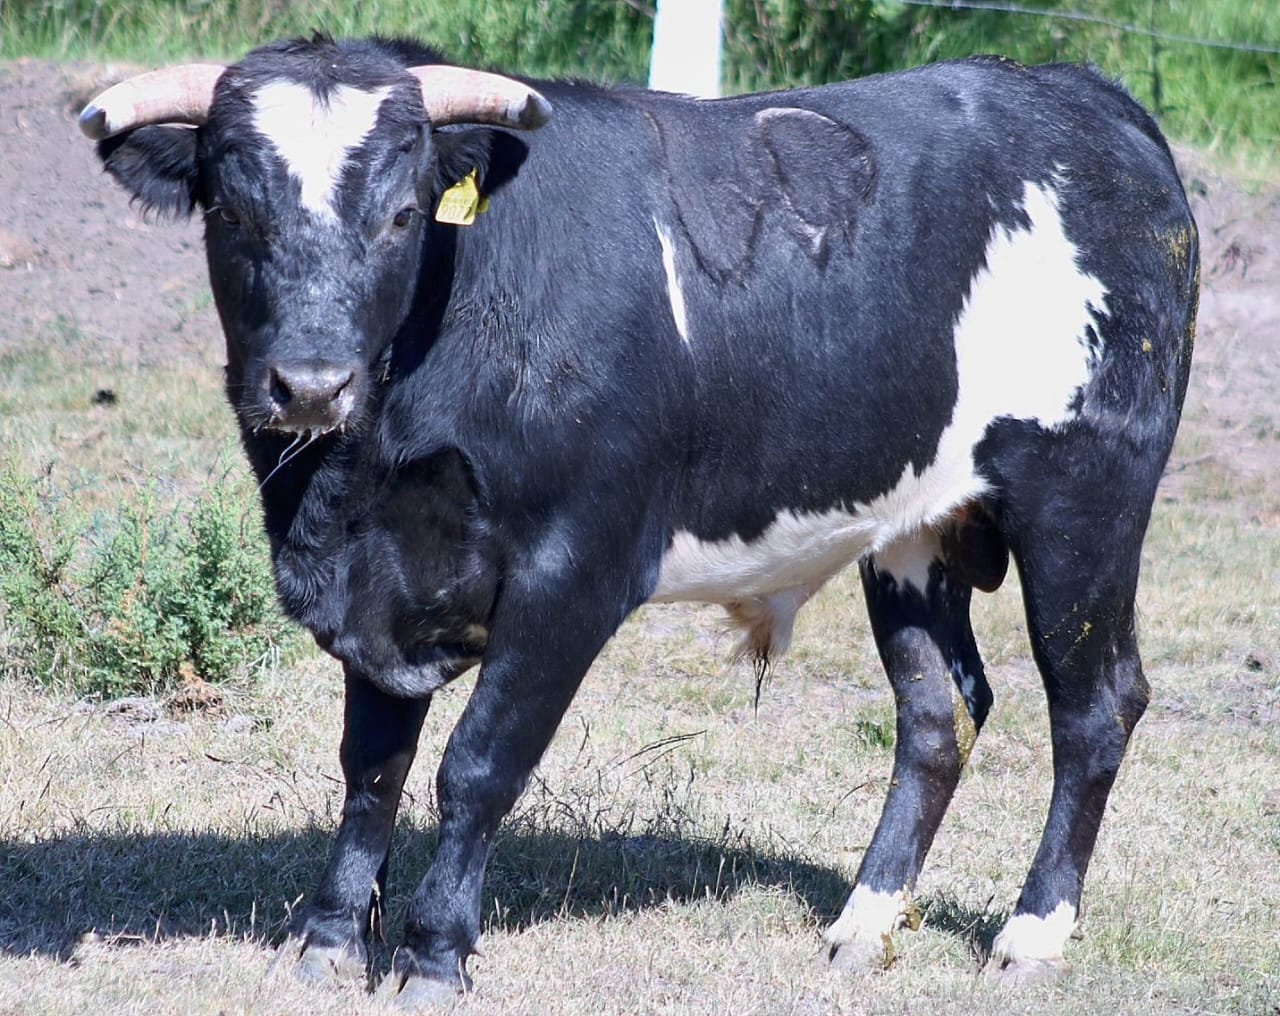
{"x":461,"y":203}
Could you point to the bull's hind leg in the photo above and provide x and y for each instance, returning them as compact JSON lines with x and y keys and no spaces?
{"x":1077,"y":542}
{"x":919,"y":611}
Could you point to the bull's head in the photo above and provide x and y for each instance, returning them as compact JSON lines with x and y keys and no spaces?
{"x":314,"y":164}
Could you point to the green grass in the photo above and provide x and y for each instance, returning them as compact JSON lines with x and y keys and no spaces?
{"x":174,"y":420}
{"x":118,"y":580}
{"x":1227,"y":101}
{"x":581,"y":37}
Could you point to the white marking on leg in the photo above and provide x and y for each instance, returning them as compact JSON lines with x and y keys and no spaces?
{"x":907,"y":560}
{"x":870,"y":918}
{"x":1028,"y":938}
{"x":675,"y":292}
{"x":315,"y":136}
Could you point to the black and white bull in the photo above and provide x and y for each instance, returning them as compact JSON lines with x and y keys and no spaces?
{"x":694,"y":350}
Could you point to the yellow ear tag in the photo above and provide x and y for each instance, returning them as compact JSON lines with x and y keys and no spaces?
{"x":461,"y":203}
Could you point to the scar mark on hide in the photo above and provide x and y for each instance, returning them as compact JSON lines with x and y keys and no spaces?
{"x":716,"y":204}
{"x":792,"y":174}
{"x":824,"y":171}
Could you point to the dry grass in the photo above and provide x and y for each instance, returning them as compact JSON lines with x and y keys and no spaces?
{"x":679,"y":851}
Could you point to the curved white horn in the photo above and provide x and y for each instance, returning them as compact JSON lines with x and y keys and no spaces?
{"x":180,"y":94}
{"x":459,"y":95}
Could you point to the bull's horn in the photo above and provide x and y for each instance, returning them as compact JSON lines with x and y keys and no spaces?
{"x":171,"y":95}
{"x":459,"y":95}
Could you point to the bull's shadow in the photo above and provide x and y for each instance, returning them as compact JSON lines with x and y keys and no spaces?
{"x":142,"y":887}
{"x":137,"y":888}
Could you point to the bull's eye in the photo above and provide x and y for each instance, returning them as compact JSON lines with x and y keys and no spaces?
{"x":403,"y":217}
{"x":228,"y":216}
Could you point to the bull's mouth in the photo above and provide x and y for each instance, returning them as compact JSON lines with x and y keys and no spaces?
{"x":309,"y":425}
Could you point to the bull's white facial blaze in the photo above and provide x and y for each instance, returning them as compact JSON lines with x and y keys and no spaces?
{"x":315,"y":137}
{"x":1026,"y":938}
{"x":675,"y":293}
{"x":1022,"y":352}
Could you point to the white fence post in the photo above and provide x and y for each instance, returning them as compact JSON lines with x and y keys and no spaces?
{"x":686,"y":47}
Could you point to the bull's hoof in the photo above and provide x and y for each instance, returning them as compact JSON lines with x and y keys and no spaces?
{"x":414,"y":992}
{"x":318,"y":964}
{"x":1025,"y":973}
{"x":852,"y":948}
{"x":862,"y":955}
{"x":861,"y":939}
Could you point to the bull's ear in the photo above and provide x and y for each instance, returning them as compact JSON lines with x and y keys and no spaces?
{"x":458,"y":152}
{"x":495,"y":155}
{"x":157,"y":165}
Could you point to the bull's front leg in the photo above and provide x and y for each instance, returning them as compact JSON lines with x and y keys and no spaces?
{"x":328,"y":937}
{"x":544,"y":635}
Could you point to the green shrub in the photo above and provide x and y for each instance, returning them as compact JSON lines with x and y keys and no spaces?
{"x":34,"y":561}
{"x":1213,"y":95}
{"x":134,"y":601}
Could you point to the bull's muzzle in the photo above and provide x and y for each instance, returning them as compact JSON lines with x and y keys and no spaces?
{"x":309,"y":395}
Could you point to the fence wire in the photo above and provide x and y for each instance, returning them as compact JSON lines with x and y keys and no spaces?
{"x":1093,"y":19}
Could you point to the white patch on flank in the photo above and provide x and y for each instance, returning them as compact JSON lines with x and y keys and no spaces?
{"x":675,"y":292}
{"x":870,"y":916}
{"x":316,"y":136}
{"x":1020,"y":340}
{"x":1028,"y":938}
{"x":1021,"y":352}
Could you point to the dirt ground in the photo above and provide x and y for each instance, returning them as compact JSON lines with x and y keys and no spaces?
{"x":72,"y":250}
{"x":75,"y":255}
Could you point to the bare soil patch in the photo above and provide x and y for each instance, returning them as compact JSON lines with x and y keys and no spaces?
{"x":1231,"y":421}
{"x":75,"y":257}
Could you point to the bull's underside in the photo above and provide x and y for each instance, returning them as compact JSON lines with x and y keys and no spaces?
{"x":713,"y":351}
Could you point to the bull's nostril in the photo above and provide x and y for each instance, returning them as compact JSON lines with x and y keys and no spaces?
{"x":279,"y":390}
